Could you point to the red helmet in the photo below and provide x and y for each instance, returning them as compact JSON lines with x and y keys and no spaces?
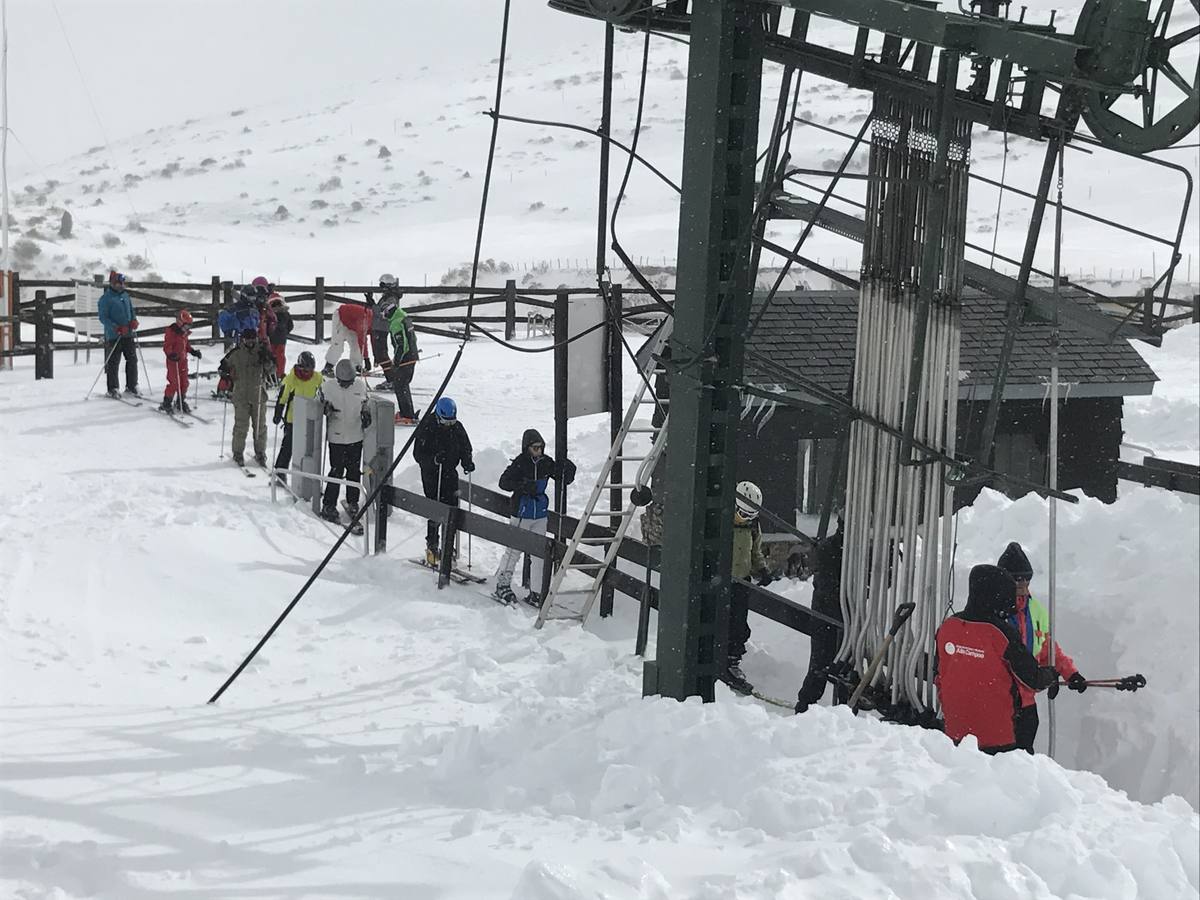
{"x":183,"y":317}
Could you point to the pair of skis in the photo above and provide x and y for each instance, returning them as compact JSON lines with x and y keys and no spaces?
{"x":457,"y":575}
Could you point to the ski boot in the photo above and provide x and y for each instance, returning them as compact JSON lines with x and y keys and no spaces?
{"x":167,"y":406}
{"x":504,"y":593}
{"x":183,"y":405}
{"x":330,"y":514}
{"x":261,"y":459}
{"x":132,"y":391}
{"x":736,"y":680}
{"x":534,"y":599}
{"x":113,"y":394}
{"x":432,"y":559}
{"x":351,"y":509}
{"x":239,"y":460}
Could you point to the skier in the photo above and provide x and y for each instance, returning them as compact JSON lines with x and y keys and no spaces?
{"x":823,"y":647}
{"x":302,"y":381}
{"x":983,"y":665}
{"x":347,"y":418}
{"x":177,"y":348}
{"x":120,"y":323}
{"x":440,"y":445}
{"x":380,"y":319}
{"x":351,"y":323}
{"x":233,"y":321}
{"x":277,"y":336}
{"x":405,"y":355}
{"x":1032,"y":624}
{"x":249,"y":366}
{"x":748,"y":560}
{"x":527,"y":477}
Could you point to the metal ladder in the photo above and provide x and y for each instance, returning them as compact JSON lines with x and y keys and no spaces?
{"x":576,"y":559}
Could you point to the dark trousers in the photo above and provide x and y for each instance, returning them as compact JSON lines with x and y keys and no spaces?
{"x":822,"y":651}
{"x":345,"y":461}
{"x":439,"y":483}
{"x":284,"y":458}
{"x":401,"y":378}
{"x":379,"y":346}
{"x":114,"y":350}
{"x":739,"y":627}
{"x":1025,"y":727}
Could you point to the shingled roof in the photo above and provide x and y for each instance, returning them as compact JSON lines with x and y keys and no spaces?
{"x":813,"y":333}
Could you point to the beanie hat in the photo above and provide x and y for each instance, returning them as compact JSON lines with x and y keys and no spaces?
{"x":1014,"y":561}
{"x":991,"y":593}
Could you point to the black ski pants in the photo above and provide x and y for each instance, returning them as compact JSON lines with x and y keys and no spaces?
{"x":345,"y":461}
{"x":114,"y":350}
{"x":739,"y":627}
{"x":1025,"y":727}
{"x":439,"y":483}
{"x":822,"y":652}
{"x":401,"y":378}
{"x":283,"y":460}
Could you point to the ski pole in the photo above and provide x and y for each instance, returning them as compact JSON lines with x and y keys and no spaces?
{"x":142,"y":357}
{"x":224,"y":416}
{"x":274,"y":460}
{"x":903,"y":611}
{"x":103,"y":369}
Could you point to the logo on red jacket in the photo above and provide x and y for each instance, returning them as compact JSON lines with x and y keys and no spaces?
{"x":952,"y":648}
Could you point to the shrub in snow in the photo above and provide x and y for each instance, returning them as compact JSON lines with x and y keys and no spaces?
{"x":25,"y":251}
{"x":332,"y":184}
{"x":330,"y":223}
{"x":66,"y":226}
{"x":318,"y":204}
{"x":208,"y":161}
{"x":384,"y":152}
{"x":371,"y":142}
{"x":281,"y":212}
{"x":356,"y":206}
{"x":136,"y":262}
{"x":536,"y":205}
{"x":236,"y":164}
{"x":110,"y":239}
{"x":169,"y":170}
{"x":135,"y":227}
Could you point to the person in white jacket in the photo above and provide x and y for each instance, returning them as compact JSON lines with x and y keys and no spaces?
{"x":346,"y":420}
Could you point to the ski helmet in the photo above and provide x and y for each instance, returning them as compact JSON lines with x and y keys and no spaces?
{"x":344,"y":372}
{"x":446,"y":410}
{"x":750,"y":491}
{"x":388,"y":280}
{"x":116,"y":279}
{"x":261,"y":281}
{"x":183,"y":317}
{"x":306,"y":361}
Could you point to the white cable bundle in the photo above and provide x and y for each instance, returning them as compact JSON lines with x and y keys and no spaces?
{"x":898,"y":518}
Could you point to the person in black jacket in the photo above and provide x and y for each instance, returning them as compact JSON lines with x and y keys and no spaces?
{"x":278,"y":331}
{"x":440,"y":446}
{"x":527,"y":477}
{"x":823,"y":647}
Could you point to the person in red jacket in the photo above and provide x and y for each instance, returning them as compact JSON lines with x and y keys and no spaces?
{"x":1032,"y":623}
{"x":177,"y":348}
{"x":351,"y":325}
{"x":982,"y":664}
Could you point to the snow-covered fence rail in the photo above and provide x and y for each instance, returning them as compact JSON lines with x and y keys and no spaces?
{"x":439,"y":309}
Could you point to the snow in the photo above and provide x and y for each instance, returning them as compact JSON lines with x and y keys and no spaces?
{"x":394,"y":740}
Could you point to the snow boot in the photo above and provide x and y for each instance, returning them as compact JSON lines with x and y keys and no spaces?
{"x":114,"y":394}
{"x":167,"y":406}
{"x":330,"y":514}
{"x":183,"y":405}
{"x":261,"y":459}
{"x":240,"y":461}
{"x":534,"y":599}
{"x":736,"y":680}
{"x":132,"y":391}
{"x":432,"y":558}
{"x":504,"y":593}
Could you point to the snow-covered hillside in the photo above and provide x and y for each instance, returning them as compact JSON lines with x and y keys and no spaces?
{"x":397,"y":741}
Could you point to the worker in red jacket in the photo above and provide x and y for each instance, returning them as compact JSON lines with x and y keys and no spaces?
{"x":351,"y":325}
{"x":177,"y":348}
{"x":982,"y":664}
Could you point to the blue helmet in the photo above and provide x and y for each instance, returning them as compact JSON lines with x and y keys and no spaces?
{"x":446,"y":409}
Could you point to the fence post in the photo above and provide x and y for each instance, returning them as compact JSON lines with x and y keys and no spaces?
{"x":216,"y":306}
{"x":319,"y":309}
{"x":1196,"y":307}
{"x":43,"y":336}
{"x":510,"y":309}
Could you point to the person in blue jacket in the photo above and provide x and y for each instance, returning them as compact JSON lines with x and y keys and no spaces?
{"x":528,"y":476}
{"x":120,"y":339}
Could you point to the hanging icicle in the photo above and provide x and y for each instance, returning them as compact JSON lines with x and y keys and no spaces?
{"x":898,"y":516}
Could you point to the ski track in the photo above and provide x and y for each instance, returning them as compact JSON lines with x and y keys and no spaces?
{"x":393,"y":740}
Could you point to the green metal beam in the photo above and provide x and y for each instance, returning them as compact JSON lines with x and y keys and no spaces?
{"x":707,"y":345}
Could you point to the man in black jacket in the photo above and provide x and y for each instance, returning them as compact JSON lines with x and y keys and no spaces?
{"x":527,"y":477}
{"x":440,"y":446}
{"x":823,"y":647}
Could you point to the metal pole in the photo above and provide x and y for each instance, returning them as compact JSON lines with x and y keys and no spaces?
{"x":1052,"y":588}
{"x":6,"y":307}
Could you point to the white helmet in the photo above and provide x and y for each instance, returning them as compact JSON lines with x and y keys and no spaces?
{"x":387,"y":280}
{"x":750,"y":491}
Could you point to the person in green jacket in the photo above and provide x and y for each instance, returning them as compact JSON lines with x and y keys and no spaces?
{"x":748,"y":561}
{"x":303,"y":381}
{"x":252,"y":367}
{"x":404,"y":362}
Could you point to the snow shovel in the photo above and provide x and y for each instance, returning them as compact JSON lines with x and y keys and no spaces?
{"x":903,"y":611}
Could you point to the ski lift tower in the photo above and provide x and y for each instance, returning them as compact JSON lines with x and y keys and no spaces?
{"x":1119,"y":71}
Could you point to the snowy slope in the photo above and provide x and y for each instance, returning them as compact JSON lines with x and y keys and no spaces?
{"x":393,"y":740}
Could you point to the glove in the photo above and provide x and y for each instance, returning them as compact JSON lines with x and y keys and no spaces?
{"x":765,"y":577}
{"x":192,"y":351}
{"x":365,"y":418}
{"x":1053,"y":690}
{"x":1077,"y":683}
{"x":278,"y":417}
{"x":122,"y":330}
{"x":173,"y":357}
{"x":468,"y":465}
{"x":370,"y":296}
{"x":1048,"y":678}
{"x":133,"y":324}
{"x":439,"y":459}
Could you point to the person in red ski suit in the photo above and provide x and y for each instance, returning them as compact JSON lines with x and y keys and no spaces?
{"x":1032,"y":623}
{"x":983,"y":665}
{"x":351,"y":325}
{"x":177,"y":349}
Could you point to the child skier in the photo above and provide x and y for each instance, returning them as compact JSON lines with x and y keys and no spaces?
{"x":351,"y":324}
{"x":527,"y":477}
{"x":441,"y":445}
{"x":302,"y":381}
{"x":278,"y":332}
{"x":177,"y":349}
{"x":249,"y":366}
{"x":380,"y":319}
{"x":347,"y":418}
{"x":748,"y":560}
